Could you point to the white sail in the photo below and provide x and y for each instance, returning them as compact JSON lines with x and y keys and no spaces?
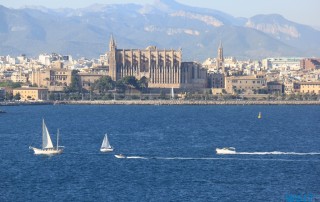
{"x":106,"y":147}
{"x":46,"y":140}
{"x":105,"y":143}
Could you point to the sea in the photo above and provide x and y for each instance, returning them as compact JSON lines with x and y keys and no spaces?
{"x":170,"y":153}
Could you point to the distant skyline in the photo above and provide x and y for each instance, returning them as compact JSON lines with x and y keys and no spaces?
{"x":304,"y":12}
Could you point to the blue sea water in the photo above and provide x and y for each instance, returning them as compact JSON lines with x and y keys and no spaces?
{"x":170,"y":150}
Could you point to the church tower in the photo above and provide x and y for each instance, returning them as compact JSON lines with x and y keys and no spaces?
{"x":220,"y":58}
{"x":112,"y":43}
{"x":112,"y":59}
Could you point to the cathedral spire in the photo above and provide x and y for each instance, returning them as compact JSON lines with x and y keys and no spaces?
{"x":112,"y":43}
{"x":220,"y":52}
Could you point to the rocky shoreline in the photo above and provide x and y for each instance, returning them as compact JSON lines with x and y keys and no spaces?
{"x":164,"y":102}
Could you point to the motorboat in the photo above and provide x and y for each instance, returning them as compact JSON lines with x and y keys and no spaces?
{"x":120,"y":156}
{"x":226,"y":150}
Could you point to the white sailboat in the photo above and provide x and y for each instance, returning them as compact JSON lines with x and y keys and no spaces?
{"x":259,"y":115}
{"x":106,"y":147}
{"x":47,"y":146}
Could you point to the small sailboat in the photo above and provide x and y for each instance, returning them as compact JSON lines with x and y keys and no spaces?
{"x":259,"y":115}
{"x":106,"y":147}
{"x":47,"y":146}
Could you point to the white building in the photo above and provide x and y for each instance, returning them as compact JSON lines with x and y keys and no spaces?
{"x":45,"y":59}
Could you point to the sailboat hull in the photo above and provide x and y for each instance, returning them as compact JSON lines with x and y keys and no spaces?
{"x":46,"y":151}
{"x":106,"y":149}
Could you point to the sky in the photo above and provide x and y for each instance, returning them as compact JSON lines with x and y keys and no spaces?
{"x":300,"y":11}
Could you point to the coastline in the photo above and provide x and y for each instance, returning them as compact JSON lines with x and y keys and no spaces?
{"x":187,"y":102}
{"x":164,"y":102}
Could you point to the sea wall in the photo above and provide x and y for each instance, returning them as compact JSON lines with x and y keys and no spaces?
{"x":163,"y":102}
{"x":187,"y":102}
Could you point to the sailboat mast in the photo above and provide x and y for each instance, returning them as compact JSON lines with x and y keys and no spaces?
{"x":43,"y":135}
{"x":58,"y":139}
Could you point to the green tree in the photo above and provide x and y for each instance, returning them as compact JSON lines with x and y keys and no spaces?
{"x":104,"y":84}
{"x":17,"y":96}
{"x":75,"y":85}
{"x":130,"y":82}
{"x":10,"y":84}
{"x":143,"y":83}
{"x":121,"y":87}
{"x":9,"y":96}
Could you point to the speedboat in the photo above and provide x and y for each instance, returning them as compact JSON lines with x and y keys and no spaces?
{"x":120,"y":156}
{"x":226,"y":150}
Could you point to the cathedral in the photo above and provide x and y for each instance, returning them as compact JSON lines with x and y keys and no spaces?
{"x":162,"y":68}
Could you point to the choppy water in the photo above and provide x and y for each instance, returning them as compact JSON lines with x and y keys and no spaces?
{"x":170,"y":153}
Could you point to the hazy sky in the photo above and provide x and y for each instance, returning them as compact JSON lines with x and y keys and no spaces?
{"x":301,"y":11}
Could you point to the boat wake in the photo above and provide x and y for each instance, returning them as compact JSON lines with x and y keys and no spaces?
{"x":224,"y":158}
{"x":277,"y":153}
{"x":136,"y":157}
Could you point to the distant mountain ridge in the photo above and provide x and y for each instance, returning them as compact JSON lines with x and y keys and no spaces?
{"x":165,"y":23}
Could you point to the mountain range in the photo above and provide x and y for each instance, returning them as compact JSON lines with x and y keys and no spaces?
{"x":166,"y":24}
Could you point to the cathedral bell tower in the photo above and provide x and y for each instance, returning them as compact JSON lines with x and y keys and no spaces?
{"x":112,"y":59}
{"x":220,"y":58}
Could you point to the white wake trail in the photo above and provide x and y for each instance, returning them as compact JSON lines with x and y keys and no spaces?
{"x":277,"y":153}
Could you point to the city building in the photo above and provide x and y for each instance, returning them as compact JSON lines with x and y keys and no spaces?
{"x":291,"y":87}
{"x":277,"y":63}
{"x":310,"y":87}
{"x":19,"y":77}
{"x":53,"y":79}
{"x":275,"y":87}
{"x":31,"y":93}
{"x":310,"y":63}
{"x":216,"y":80}
{"x":245,"y":84}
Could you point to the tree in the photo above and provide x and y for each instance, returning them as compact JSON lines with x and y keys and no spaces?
{"x":143,"y":83}
{"x":130,"y":82}
{"x":162,"y":95}
{"x":75,"y":85}
{"x":104,"y":84}
{"x":17,"y":96}
{"x":9,"y":96}
{"x":121,"y":87}
{"x":10,"y":84}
